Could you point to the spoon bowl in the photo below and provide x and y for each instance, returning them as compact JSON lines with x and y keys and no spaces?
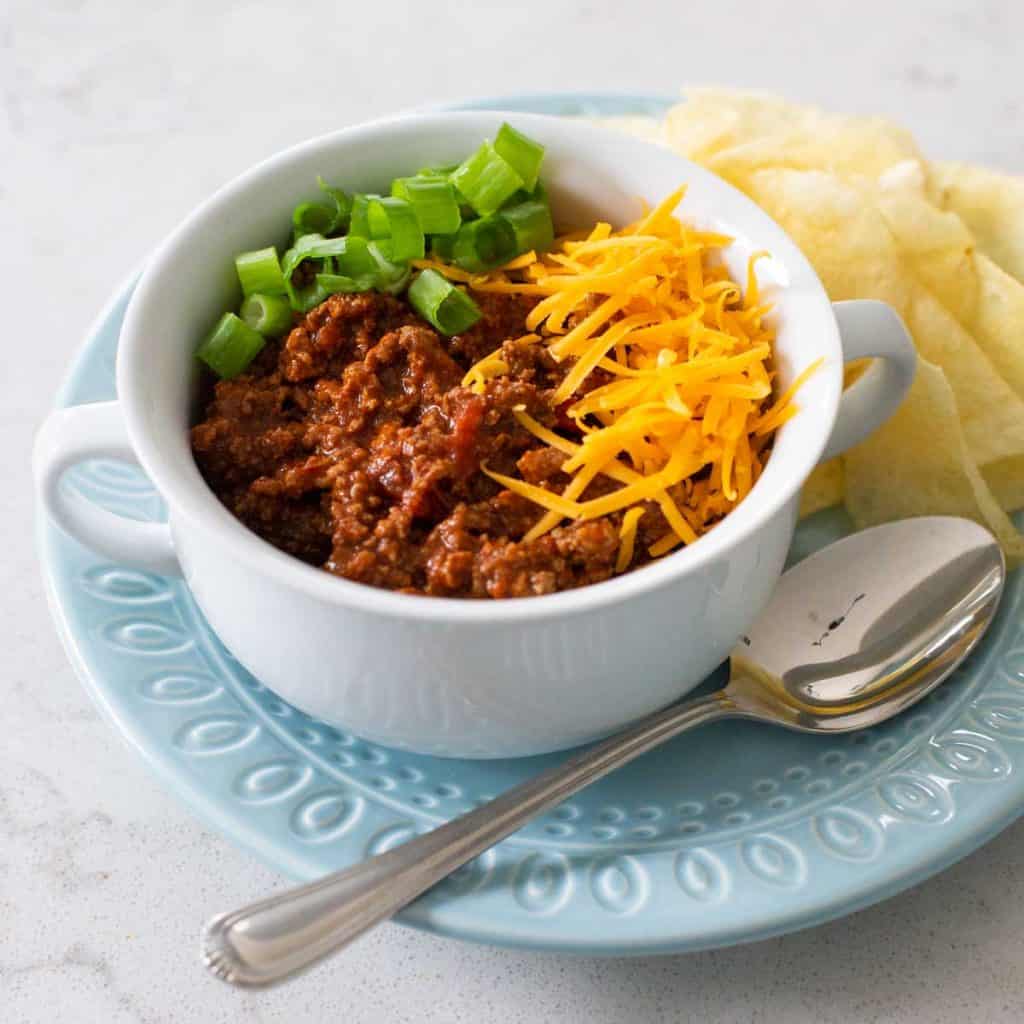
{"x":852,"y":636}
{"x":867,"y":626}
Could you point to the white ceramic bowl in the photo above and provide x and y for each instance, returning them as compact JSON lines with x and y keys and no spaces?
{"x":437,"y":675}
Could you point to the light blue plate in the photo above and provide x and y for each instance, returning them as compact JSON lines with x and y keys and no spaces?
{"x":735,"y":832}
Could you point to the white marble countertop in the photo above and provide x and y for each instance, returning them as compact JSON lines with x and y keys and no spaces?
{"x":116,"y":118}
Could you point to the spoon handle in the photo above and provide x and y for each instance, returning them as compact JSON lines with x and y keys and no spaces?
{"x":266,"y":941}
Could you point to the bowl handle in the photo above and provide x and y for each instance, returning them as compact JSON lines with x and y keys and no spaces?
{"x":871,"y":329}
{"x":96,"y":431}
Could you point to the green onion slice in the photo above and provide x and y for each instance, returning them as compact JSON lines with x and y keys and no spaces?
{"x":434,"y":202}
{"x":531,"y":222}
{"x":355,"y":260}
{"x":231,"y":346}
{"x":400,"y":186}
{"x":486,"y":179}
{"x":359,"y":223}
{"x":321,"y":218}
{"x":395,"y":219}
{"x":334,"y":284}
{"x":441,"y":171}
{"x":342,"y":204}
{"x":522,"y":154}
{"x":538,"y":192}
{"x":442,"y":247}
{"x":350,"y":255}
{"x":391,"y":276}
{"x":377,"y":219}
{"x":271,"y":315}
{"x":440,"y":303}
{"x":484,"y":244}
{"x":310,"y":247}
{"x":324,"y":252}
{"x":313,"y":218}
{"x":259,"y":271}
{"x":308,"y":296}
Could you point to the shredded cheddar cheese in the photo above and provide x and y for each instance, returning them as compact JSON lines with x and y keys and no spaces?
{"x":627,"y":537}
{"x":681,"y":412}
{"x":491,"y":366}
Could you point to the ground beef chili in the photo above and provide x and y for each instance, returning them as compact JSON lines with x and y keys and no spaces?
{"x":352,"y":445}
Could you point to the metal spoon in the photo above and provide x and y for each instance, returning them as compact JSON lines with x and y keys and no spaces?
{"x":852,"y":636}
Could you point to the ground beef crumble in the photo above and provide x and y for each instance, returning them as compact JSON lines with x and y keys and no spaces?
{"x":352,"y":445}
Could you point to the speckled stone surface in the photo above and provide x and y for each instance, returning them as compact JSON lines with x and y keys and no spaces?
{"x":115,"y":120}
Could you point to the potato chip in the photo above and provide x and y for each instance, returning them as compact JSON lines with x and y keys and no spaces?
{"x":987,"y":301}
{"x":840,"y":231}
{"x":938,"y":250}
{"x":990,"y":204}
{"x":998,"y":320}
{"x":1006,"y":480}
{"x":937,"y":244}
{"x":991,"y":412}
{"x":824,"y":488}
{"x":735,"y":133}
{"x":918,"y":463}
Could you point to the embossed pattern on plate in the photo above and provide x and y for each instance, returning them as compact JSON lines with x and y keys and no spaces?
{"x":768,"y":830}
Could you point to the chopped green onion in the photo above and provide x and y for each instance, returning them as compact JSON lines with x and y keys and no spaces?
{"x":359,"y":223}
{"x":349,"y":258}
{"x":308,"y":296}
{"x":395,"y":219}
{"x":442,"y":247}
{"x":259,"y":271}
{"x":313,"y":218}
{"x":342,"y":204}
{"x":436,"y":172}
{"x":484,"y":244}
{"x":439,"y":302}
{"x":321,"y":251}
{"x":538,"y":192}
{"x":486,"y":179}
{"x":355,"y":260}
{"x":377,"y":220}
{"x":319,"y":218}
{"x":386,"y":233}
{"x":531,"y":222}
{"x":400,"y":186}
{"x":310,"y":247}
{"x":231,"y":346}
{"x":523,"y":154}
{"x":334,"y":284}
{"x":392,"y":277}
{"x":271,"y":315}
{"x":434,"y":202}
